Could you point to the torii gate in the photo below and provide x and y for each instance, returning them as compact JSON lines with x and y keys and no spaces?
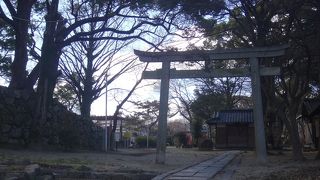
{"x":165,"y":74}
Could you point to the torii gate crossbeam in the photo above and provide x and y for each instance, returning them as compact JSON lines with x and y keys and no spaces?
{"x":165,"y":74}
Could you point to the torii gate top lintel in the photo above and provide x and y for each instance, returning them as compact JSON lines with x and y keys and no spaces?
{"x":201,"y":55}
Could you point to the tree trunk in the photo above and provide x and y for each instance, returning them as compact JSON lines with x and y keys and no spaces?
{"x":48,"y":77}
{"x":88,"y":82}
{"x":318,"y":155}
{"x":50,"y":54}
{"x":86,"y":104}
{"x":19,"y":64}
{"x":33,"y":77}
{"x":277,"y":127}
{"x":292,"y":110}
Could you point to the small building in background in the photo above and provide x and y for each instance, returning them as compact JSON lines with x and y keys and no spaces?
{"x":232,"y":129}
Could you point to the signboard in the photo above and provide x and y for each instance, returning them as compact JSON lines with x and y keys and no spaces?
{"x":117,"y":136}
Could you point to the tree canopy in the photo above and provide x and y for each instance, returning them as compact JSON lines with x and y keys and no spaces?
{"x":44,"y":30}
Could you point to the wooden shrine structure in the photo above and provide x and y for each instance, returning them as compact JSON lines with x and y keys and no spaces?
{"x":254,"y":71}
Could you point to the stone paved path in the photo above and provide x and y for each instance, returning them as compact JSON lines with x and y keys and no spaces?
{"x":202,"y":171}
{"x":229,"y":170}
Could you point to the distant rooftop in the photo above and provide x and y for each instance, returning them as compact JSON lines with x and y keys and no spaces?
{"x":232,"y":116}
{"x":103,"y":118}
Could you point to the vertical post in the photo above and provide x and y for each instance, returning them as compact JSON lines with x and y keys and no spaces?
{"x":147,"y":137}
{"x":260,"y":141}
{"x":163,"y":110}
{"x":106,"y":118}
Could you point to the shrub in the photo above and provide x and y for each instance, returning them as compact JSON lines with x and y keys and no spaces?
{"x":170,"y":140}
{"x":206,"y":144}
{"x":180,"y":139}
{"x":142,"y":141}
{"x":127,"y":135}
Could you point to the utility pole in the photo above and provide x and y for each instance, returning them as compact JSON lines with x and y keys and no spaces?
{"x":106,"y":118}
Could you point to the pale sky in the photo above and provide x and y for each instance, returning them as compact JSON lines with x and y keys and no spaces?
{"x":128,"y":80}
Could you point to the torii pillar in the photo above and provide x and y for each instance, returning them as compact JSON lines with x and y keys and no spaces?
{"x":260,"y":140}
{"x":163,"y":111}
{"x":165,"y":74}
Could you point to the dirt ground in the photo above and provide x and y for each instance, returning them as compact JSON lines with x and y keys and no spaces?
{"x":279,"y":166}
{"x":135,"y":161}
{"x":124,"y":160}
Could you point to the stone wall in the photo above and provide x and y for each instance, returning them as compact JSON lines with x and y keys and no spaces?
{"x":62,"y":129}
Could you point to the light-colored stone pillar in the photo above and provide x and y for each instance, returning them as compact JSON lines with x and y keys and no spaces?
{"x":260,"y":141}
{"x":163,"y":110}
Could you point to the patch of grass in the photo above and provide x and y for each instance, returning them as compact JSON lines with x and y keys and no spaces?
{"x":74,"y":162}
{"x":15,"y":168}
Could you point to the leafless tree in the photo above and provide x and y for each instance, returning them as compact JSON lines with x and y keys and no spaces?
{"x":181,"y":95}
{"x":64,"y":23}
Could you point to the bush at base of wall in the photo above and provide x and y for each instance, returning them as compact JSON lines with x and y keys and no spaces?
{"x":141,"y":142}
{"x":206,"y":145}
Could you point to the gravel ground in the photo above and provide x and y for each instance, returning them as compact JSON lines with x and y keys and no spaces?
{"x":279,"y":166}
{"x":124,"y":160}
{"x":135,"y":161}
